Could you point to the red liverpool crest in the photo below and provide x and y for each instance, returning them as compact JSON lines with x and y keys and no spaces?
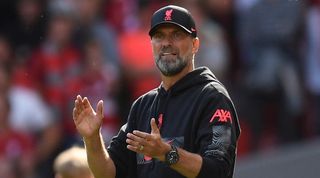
{"x":168,"y":14}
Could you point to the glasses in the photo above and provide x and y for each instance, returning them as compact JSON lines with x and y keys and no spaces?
{"x":174,"y":36}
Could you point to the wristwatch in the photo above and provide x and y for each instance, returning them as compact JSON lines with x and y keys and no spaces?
{"x":172,"y":157}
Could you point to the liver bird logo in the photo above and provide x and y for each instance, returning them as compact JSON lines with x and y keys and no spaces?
{"x":168,"y":15}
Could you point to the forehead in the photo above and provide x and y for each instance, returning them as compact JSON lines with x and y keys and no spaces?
{"x":168,"y":27}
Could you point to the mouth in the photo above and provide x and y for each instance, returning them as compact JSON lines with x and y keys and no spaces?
{"x":168,"y":54}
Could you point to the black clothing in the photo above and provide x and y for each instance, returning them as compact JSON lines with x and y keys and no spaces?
{"x":195,"y":114}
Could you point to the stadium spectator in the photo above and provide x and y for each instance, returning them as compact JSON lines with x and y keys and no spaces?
{"x":16,"y":146}
{"x":269,"y":46}
{"x":72,"y":163}
{"x":312,"y":65}
{"x":6,"y":52}
{"x":214,"y":52}
{"x":90,"y":25}
{"x":136,"y":56}
{"x":54,"y":69}
{"x":27,"y":31}
{"x":100,"y":80}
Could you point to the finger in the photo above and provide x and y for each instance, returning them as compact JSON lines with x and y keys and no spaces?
{"x":142,"y":135}
{"x":154,"y":127}
{"x":76,"y":104}
{"x":100,"y":109}
{"x":86,"y":103}
{"x":74,"y":114}
{"x":132,"y":142}
{"x":80,"y":103}
{"x":133,"y":148}
{"x":140,"y":140}
{"x":79,"y":98}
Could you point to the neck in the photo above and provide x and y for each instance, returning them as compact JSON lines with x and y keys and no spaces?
{"x":169,"y":81}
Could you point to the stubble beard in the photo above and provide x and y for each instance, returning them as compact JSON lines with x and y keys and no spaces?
{"x":171,"y":67}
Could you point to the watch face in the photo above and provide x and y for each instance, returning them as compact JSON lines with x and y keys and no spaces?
{"x":172,"y":156}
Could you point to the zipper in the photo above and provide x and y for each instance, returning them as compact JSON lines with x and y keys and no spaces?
{"x":162,"y":110}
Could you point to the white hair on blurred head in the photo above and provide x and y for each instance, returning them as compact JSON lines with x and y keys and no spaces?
{"x":72,"y":163}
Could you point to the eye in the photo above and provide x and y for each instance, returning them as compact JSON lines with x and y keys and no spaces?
{"x":158,"y":36}
{"x":179,"y":35}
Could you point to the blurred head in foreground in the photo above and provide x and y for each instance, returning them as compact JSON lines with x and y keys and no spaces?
{"x":72,"y":163}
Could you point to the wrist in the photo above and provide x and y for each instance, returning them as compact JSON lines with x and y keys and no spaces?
{"x":166,"y":149}
{"x":94,"y":138}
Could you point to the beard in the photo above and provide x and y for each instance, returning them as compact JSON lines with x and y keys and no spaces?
{"x":170,"y":66}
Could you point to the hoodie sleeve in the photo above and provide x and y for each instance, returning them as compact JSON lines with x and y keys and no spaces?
{"x":217,"y":136}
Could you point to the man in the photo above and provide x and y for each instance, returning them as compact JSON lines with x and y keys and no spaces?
{"x":187,"y":127}
{"x":72,"y":163}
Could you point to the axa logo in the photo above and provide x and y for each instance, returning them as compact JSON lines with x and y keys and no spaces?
{"x":222,"y":116}
{"x":168,"y":15}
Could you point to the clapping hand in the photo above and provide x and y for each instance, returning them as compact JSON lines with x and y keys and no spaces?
{"x":87,"y":121}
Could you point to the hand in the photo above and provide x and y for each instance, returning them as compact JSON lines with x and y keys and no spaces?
{"x":147,"y":144}
{"x":87,"y":121}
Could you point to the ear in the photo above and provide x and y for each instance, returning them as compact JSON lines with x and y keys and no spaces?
{"x":196,"y":45}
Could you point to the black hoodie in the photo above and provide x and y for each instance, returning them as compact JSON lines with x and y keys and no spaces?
{"x":195,"y":114}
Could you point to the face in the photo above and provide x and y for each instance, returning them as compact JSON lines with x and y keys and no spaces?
{"x":93,"y":56}
{"x":29,"y":10}
{"x":5,"y":51}
{"x":60,"y":29}
{"x":88,"y":8}
{"x":173,"y":49}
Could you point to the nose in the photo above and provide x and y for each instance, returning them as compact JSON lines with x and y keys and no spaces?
{"x":167,"y":40}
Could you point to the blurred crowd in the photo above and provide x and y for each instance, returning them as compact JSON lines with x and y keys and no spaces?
{"x":266,"y":52}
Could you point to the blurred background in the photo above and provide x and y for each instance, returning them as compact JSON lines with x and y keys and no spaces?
{"x":266,"y":52}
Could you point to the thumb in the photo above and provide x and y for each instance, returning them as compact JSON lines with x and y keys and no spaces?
{"x":99,"y":109}
{"x":154,"y":127}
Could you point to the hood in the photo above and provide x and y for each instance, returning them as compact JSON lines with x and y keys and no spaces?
{"x":198,"y":76}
